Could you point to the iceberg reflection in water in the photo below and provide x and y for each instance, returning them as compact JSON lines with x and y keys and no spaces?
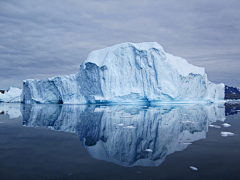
{"x":128,"y":135}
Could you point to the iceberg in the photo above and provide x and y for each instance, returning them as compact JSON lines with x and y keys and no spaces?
{"x":127,"y":73}
{"x":11,"y":96}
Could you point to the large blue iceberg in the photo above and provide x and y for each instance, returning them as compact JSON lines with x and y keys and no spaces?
{"x":126,"y":73}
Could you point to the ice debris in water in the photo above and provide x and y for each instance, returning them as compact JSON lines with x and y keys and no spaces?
{"x":215,"y":126}
{"x":129,"y":127}
{"x":193,"y":168}
{"x":226,"y":125}
{"x":149,"y":150}
{"x":188,"y":143}
{"x":121,"y":124}
{"x":186,"y":122}
{"x":225,"y":134}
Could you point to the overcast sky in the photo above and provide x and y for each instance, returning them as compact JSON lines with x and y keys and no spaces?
{"x":45,"y":38}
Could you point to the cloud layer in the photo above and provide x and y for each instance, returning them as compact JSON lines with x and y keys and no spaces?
{"x":40,"y":39}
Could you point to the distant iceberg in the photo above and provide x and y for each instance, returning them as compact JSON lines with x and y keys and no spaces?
{"x":11,"y":96}
{"x":126,"y":73}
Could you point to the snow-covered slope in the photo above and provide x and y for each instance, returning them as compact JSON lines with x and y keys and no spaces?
{"x":126,"y":73}
{"x":13,"y":95}
{"x":122,"y":134}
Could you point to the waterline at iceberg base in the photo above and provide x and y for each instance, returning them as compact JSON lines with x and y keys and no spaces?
{"x":126,"y":73}
{"x":128,"y":135}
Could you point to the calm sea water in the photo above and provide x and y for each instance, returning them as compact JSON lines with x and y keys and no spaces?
{"x":119,"y":142}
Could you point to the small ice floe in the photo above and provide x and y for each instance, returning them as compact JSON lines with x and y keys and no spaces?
{"x":129,"y":127}
{"x":121,"y":124}
{"x":226,"y":125}
{"x":187,"y":143}
{"x":145,"y":106}
{"x":126,"y":117}
{"x":174,"y":109}
{"x":149,"y":150}
{"x":186,"y":122}
{"x":215,"y":126}
{"x":184,"y":114}
{"x":193,"y":168}
{"x":194,"y":122}
{"x":138,"y":172}
{"x":225,"y":134}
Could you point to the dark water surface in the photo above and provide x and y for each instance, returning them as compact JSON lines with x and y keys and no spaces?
{"x":119,"y":142}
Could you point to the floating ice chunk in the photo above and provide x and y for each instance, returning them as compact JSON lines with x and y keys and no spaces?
{"x":215,"y":126}
{"x":226,"y":125}
{"x":184,"y":114}
{"x":174,"y":109}
{"x":121,"y":124}
{"x":193,"y":168}
{"x":126,"y":117}
{"x":186,"y":122}
{"x":195,"y":122}
{"x":129,"y":127}
{"x":149,"y":150}
{"x":188,"y":143}
{"x":225,"y":134}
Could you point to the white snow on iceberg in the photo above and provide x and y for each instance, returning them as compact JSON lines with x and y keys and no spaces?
{"x":126,"y":73}
{"x":11,"y":96}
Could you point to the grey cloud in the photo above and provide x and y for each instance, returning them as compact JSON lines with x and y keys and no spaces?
{"x":40,"y":39}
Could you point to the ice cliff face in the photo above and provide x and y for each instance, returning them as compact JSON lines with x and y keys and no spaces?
{"x":121,"y":134}
{"x":126,"y":73}
{"x":13,"y":95}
